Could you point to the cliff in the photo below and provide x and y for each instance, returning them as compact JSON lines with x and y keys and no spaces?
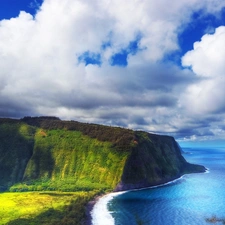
{"x":45,"y":153}
{"x":155,"y":160}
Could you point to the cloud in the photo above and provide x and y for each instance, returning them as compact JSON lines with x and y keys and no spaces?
{"x":206,"y":61}
{"x":205,"y":97}
{"x":62,"y":62}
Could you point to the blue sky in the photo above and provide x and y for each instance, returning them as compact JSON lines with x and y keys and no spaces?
{"x":12,"y":8}
{"x":135,"y":64}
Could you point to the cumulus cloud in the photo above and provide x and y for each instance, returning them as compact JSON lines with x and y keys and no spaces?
{"x":206,"y":61}
{"x":207,"y":57}
{"x":60,"y":62}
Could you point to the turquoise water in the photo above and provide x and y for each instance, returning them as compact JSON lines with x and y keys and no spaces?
{"x":187,"y":201}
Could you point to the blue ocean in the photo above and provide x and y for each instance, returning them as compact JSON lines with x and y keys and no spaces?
{"x":189,"y":200}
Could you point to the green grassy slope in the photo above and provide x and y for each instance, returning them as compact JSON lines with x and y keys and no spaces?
{"x":69,"y":161}
{"x":60,"y":157}
{"x":49,"y":154}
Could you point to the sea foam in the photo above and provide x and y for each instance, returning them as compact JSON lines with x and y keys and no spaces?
{"x":100,"y":213}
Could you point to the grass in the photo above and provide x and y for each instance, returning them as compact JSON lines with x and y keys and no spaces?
{"x":44,"y":208}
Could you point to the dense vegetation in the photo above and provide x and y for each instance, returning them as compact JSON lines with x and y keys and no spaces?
{"x":69,"y":161}
{"x":155,"y":160}
{"x":16,"y":148}
{"x":46,"y":154}
{"x":60,"y":157}
{"x":120,"y":138}
{"x":44,"y":208}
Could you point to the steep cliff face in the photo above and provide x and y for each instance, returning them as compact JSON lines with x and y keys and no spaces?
{"x":49,"y":154}
{"x":154,"y":160}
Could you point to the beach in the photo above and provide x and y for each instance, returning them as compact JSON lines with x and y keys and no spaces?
{"x":97,"y":211}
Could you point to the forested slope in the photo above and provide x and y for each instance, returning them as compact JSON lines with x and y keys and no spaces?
{"x":45,"y":153}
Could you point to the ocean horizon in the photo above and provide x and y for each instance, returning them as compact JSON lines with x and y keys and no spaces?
{"x":189,"y":200}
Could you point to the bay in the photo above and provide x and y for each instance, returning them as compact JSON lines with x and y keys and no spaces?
{"x":189,"y":200}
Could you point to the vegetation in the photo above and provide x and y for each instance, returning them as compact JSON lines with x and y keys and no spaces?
{"x":16,"y":147}
{"x":44,"y":208}
{"x":120,"y":138}
{"x":56,"y":156}
{"x":155,"y":160}
{"x":45,"y":154}
{"x":35,"y":159}
{"x":69,"y":161}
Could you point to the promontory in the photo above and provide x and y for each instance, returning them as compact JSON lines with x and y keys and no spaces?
{"x":48,"y":154}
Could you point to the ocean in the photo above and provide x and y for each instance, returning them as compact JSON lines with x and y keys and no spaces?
{"x":189,"y":200}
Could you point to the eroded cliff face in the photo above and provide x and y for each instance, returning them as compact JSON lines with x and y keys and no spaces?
{"x":154,"y":160}
{"x":49,"y":154}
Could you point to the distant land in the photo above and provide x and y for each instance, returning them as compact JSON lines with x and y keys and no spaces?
{"x":48,"y":154}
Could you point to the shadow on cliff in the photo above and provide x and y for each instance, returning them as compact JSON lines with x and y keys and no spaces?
{"x":16,"y":149}
{"x":41,"y":164}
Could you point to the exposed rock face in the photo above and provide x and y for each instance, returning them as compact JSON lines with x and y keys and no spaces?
{"x":50,"y":154}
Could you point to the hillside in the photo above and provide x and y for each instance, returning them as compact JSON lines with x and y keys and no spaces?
{"x":45,"y":153}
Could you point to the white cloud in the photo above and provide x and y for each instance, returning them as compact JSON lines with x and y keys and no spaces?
{"x":207,"y":57}
{"x":40,"y":72}
{"x":207,"y":62}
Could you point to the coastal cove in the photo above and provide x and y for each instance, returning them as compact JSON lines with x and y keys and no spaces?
{"x":46,"y":154}
{"x":192,"y":199}
{"x":100,"y":213}
{"x":112,"y":112}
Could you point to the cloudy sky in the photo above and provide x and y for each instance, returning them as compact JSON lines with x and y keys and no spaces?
{"x":154,"y":65}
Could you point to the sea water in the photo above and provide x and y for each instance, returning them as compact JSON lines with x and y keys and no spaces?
{"x":189,"y":200}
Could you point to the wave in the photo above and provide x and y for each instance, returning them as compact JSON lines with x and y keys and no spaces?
{"x":207,"y":170}
{"x":100,"y":213}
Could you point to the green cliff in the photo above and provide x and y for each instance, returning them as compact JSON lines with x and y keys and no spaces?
{"x":45,"y":153}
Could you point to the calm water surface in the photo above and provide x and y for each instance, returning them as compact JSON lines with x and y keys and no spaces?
{"x":187,"y":201}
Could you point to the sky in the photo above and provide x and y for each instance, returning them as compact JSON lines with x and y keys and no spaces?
{"x":141,"y":64}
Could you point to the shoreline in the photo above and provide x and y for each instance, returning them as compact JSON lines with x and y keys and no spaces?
{"x":90,"y":206}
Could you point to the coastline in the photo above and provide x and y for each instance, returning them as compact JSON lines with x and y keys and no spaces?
{"x":105,"y":198}
{"x":99,"y":203}
{"x":97,"y":200}
{"x":89,"y":208}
